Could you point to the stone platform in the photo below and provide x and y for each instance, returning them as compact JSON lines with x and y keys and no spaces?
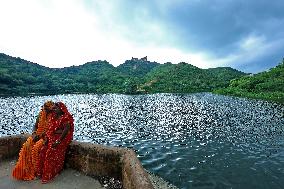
{"x":96,"y":161}
{"x":114,"y":167}
{"x":67,"y":179}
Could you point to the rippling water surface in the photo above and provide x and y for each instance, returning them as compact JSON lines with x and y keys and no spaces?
{"x":193,"y":141}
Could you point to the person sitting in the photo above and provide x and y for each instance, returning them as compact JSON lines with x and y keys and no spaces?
{"x":28,"y":161}
{"x":58,"y":136}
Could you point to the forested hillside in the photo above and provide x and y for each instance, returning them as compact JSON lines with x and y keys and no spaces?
{"x":267,"y":85}
{"x":135,"y":76}
{"x":184,"y":78}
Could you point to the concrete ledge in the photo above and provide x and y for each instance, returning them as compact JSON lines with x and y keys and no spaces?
{"x":95,"y":160}
{"x":11,"y":145}
{"x":133,"y":173}
{"x":92,"y":159}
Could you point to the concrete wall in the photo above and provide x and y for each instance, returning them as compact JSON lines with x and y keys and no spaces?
{"x":133,"y":174}
{"x":92,"y":159}
{"x":10,"y":146}
{"x":95,"y":160}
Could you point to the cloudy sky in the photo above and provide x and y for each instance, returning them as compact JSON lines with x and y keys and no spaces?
{"x":245,"y":34}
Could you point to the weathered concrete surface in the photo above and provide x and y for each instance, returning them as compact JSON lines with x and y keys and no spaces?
{"x":95,"y":160}
{"x":133,"y":174}
{"x":92,"y":159}
{"x":11,"y":145}
{"x":67,"y":179}
{"x":119,"y":163}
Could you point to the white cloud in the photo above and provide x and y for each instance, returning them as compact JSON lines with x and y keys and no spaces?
{"x":64,"y":33}
{"x":252,"y":48}
{"x":59,"y":32}
{"x":252,"y":42}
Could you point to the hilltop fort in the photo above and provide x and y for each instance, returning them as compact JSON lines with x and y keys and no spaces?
{"x":142,"y":59}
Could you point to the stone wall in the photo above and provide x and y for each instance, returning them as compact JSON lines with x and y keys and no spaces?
{"x":133,"y":174}
{"x":10,"y":146}
{"x":92,"y":159}
{"x":95,"y":160}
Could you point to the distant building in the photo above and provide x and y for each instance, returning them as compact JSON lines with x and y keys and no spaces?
{"x":142,"y":59}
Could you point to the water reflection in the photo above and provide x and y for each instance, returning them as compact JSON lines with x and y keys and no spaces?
{"x":199,"y":141}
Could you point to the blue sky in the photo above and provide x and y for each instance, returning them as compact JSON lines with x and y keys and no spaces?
{"x":246,"y":35}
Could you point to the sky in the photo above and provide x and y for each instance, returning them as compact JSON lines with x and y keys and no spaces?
{"x":247,"y":35}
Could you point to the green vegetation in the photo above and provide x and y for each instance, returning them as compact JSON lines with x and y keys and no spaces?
{"x":135,"y":76}
{"x":268,"y":85}
{"x":186,"y":78}
{"x":136,"y":68}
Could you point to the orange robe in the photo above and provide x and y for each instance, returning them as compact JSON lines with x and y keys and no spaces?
{"x":27,"y":167}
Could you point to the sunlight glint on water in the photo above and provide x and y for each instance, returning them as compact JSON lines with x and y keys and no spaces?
{"x":198,"y":141}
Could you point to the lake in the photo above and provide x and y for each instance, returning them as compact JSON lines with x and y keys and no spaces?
{"x":191,"y":140}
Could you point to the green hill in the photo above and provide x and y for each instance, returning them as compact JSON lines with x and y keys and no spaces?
{"x":96,"y":76}
{"x":135,"y":76}
{"x":268,"y":85}
{"x":21,"y":77}
{"x":18,"y":76}
{"x":136,"y":67}
{"x":186,"y":78}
